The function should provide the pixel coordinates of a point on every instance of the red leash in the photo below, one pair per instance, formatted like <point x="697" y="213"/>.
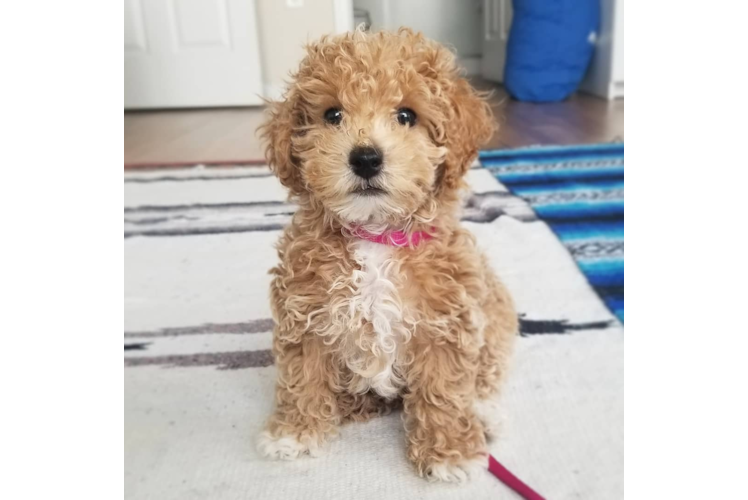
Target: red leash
<point x="509" y="479"/>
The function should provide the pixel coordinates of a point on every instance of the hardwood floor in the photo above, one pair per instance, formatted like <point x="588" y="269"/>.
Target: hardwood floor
<point x="190" y="137"/>
<point x="581" y="119"/>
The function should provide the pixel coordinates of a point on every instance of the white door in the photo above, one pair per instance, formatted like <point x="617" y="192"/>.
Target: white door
<point x="191" y="53"/>
<point x="497" y="18"/>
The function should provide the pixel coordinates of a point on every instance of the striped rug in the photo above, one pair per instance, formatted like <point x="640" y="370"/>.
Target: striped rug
<point x="578" y="191"/>
<point x="199" y="374"/>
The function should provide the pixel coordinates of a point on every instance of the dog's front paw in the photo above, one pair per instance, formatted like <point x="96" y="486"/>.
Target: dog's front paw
<point x="457" y="471"/>
<point x="287" y="447"/>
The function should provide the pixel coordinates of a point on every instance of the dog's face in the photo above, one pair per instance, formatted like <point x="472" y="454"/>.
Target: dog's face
<point x="376" y="128"/>
<point x="368" y="157"/>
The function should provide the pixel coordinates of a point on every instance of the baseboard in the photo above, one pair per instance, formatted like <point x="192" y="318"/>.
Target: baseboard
<point x="607" y="90"/>
<point x="616" y="90"/>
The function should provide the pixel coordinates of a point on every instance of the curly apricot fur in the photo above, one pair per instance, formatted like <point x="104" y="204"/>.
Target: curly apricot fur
<point x="454" y="323"/>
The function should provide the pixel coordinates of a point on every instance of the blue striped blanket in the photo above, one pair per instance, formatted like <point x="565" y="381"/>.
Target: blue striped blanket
<point x="578" y="192"/>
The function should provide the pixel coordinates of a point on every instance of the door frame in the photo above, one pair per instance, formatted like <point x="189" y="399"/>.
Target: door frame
<point x="343" y="12"/>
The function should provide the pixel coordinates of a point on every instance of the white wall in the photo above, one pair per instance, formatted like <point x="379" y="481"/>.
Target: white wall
<point x="285" y="30"/>
<point x="452" y="22"/>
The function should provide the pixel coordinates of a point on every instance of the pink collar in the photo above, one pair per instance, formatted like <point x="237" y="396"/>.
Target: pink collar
<point x="392" y="238"/>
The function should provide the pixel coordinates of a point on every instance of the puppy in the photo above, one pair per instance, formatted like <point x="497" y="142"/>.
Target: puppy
<point x="380" y="297"/>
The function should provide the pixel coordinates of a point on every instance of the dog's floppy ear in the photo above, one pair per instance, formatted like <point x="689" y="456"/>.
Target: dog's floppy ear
<point x="466" y="118"/>
<point x="470" y="125"/>
<point x="278" y="131"/>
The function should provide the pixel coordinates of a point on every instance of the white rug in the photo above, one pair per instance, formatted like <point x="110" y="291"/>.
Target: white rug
<point x="199" y="376"/>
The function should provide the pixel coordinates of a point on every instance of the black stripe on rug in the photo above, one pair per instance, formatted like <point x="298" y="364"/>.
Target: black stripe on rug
<point x="490" y="214"/>
<point x="256" y="326"/>
<point x="559" y="218"/>
<point x="203" y="206"/>
<point x="535" y="153"/>
<point x="148" y="180"/>
<point x="137" y="346"/>
<point x="610" y="291"/>
<point x="478" y="209"/>
<point x="222" y="360"/>
<point x="156" y="220"/>
<point x="541" y="179"/>
<point x="557" y="327"/>
<point x="595" y="249"/>
<point x="526" y="326"/>
<point x="261" y="358"/>
<point x="205" y="230"/>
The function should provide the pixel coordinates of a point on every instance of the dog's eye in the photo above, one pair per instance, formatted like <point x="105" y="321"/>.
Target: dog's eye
<point x="333" y="116"/>
<point x="406" y="116"/>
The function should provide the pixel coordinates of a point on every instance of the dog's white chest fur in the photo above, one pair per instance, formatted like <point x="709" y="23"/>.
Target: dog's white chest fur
<point x="376" y="301"/>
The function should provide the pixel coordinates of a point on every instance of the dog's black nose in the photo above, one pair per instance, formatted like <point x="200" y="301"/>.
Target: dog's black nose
<point x="365" y="161"/>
